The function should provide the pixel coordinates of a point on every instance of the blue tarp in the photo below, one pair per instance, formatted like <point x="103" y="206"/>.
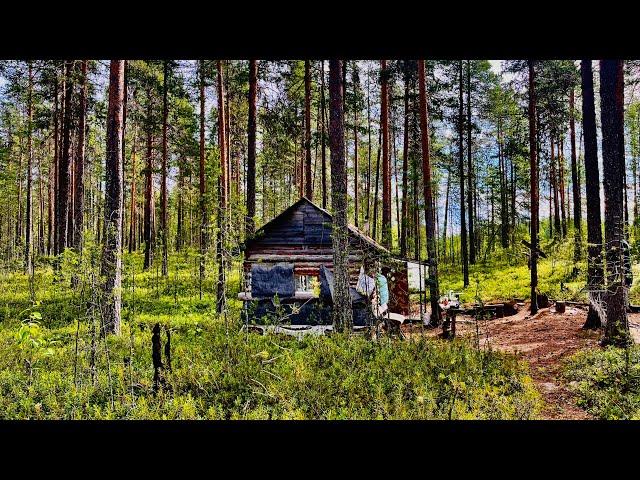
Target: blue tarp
<point x="269" y="280"/>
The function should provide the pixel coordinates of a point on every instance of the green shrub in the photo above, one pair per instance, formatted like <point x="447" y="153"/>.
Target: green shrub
<point x="219" y="372"/>
<point x="607" y="382"/>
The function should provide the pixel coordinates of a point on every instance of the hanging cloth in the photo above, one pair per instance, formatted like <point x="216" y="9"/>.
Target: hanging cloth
<point x="383" y="288"/>
<point x="366" y="285"/>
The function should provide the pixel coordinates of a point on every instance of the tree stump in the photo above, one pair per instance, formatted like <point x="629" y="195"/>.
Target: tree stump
<point x="543" y="300"/>
<point x="560" y="307"/>
<point x="449" y="325"/>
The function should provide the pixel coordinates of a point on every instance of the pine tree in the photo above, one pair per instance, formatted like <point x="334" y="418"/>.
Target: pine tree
<point x="111" y="254"/>
<point x="612" y="115"/>
<point x="342" y="312"/>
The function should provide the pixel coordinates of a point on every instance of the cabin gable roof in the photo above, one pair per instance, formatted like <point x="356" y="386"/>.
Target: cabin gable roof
<point x="305" y="223"/>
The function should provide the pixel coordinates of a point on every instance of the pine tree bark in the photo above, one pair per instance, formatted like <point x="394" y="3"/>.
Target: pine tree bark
<point x="472" y="243"/>
<point x="124" y="149"/>
<point x="222" y="193"/>
<point x="563" y="211"/>
<point x="432" y="251"/>
<point x="148" y="188"/>
<point x="446" y="216"/>
<point x="356" y="196"/>
<point x="557" y="226"/>
<point x="251" y="150"/>
<point x="405" y="167"/>
<point x="41" y="208"/>
<point x="201" y="177"/>
<point x="111" y="254"/>
<point x="308" y="186"/>
<point x="133" y="207"/>
<point x="612" y="116"/>
<point x="323" y="149"/>
<point x="28" y="267"/>
<point x="78" y="204"/>
<point x="504" y="204"/>
<point x="575" y="183"/>
<point x="368" y="214"/>
<point x="595" y="271"/>
<point x="533" y="163"/>
<point x="63" y="170"/>
<point x="386" y="160"/>
<point x="342" y="312"/>
<point x="165" y="153"/>
<point x="463" y="215"/>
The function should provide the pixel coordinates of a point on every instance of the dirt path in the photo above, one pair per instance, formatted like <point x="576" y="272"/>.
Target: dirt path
<point x="544" y="341"/>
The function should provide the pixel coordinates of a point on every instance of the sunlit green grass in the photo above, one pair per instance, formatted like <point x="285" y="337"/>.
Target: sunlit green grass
<point x="505" y="275"/>
<point x="46" y="345"/>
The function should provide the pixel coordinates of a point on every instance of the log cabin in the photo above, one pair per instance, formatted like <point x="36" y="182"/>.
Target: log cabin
<point x="287" y="256"/>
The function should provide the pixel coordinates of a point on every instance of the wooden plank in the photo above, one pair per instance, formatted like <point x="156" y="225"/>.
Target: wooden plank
<point x="295" y="258"/>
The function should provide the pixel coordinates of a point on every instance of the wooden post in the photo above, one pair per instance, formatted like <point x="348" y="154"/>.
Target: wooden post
<point x="167" y="348"/>
<point x="157" y="357"/>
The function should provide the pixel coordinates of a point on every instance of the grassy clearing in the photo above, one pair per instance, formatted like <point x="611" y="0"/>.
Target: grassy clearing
<point x="505" y="275"/>
<point x="219" y="372"/>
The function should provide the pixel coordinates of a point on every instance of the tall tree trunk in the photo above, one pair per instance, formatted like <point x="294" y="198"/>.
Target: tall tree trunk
<point x="432" y="251"/>
<point x="50" y="206"/>
<point x="612" y="115"/>
<point x="111" y="254"/>
<point x="124" y="145"/>
<point x="504" y="205"/>
<point x="324" y="138"/>
<point x="394" y="162"/>
<point x="251" y="150"/>
<point x="28" y="267"/>
<point x="386" y="160"/>
<point x="533" y="163"/>
<point x="376" y="193"/>
<point x="308" y="190"/>
<point x="53" y="178"/>
<point x="133" y="210"/>
<point x="405" y="166"/>
<point x="446" y="215"/>
<point x="562" y="190"/>
<point x="342" y="312"/>
<point x="63" y="171"/>
<point x="163" y="188"/>
<point x="513" y="225"/>
<point x="595" y="272"/>
<point x="41" y="207"/>
<point x="222" y="191"/>
<point x="472" y="243"/>
<point x="148" y="189"/>
<point x="463" y="215"/>
<point x="180" y="215"/>
<point x="575" y="183"/>
<point x="557" y="226"/>
<point x="356" y="197"/>
<point x="78" y="205"/>
<point x="202" y="185"/>
<point x="368" y="214"/>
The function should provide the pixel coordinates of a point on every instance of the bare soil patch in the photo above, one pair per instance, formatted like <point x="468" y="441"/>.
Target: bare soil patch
<point x="544" y="341"/>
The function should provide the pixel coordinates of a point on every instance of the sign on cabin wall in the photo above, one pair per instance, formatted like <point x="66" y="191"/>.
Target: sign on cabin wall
<point x="417" y="275"/>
